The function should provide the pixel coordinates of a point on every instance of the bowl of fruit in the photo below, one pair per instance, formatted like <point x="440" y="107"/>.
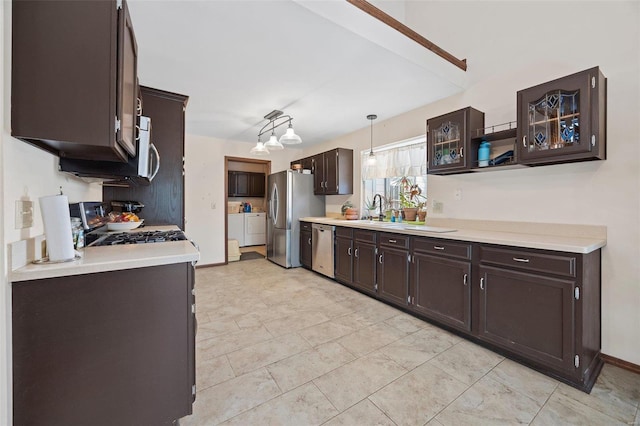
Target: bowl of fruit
<point x="124" y="222"/>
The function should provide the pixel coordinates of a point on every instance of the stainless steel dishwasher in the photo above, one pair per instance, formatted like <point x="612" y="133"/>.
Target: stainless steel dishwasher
<point x="322" y="249"/>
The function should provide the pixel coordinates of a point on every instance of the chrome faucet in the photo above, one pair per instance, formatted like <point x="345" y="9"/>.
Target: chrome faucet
<point x="381" y="215"/>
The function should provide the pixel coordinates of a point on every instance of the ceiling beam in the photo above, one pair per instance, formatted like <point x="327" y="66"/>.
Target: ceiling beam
<point x="367" y="7"/>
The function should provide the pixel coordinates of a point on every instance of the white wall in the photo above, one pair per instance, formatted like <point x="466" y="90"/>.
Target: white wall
<point x="25" y="173"/>
<point x="205" y="191"/>
<point x="512" y="46"/>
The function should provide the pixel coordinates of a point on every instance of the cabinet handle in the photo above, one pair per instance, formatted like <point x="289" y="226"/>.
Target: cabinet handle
<point x="519" y="259"/>
<point x="524" y="141"/>
<point x="321" y="184"/>
<point x="464" y="281"/>
<point x="349" y="251"/>
<point x="309" y="241"/>
<point x="356" y="253"/>
<point x="461" y="152"/>
<point x="438" y="248"/>
<point x="380" y="259"/>
<point x="481" y="283"/>
<point x="393" y="241"/>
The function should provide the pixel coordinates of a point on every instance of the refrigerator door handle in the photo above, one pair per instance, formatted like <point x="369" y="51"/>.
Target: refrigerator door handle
<point x="273" y="206"/>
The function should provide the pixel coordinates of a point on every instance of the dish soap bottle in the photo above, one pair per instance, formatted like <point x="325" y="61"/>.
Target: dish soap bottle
<point x="484" y="153"/>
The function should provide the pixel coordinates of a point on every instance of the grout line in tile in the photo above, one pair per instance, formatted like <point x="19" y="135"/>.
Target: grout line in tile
<point x="380" y="408"/>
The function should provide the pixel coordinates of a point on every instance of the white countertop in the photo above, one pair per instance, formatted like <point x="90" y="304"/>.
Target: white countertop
<point x="112" y="258"/>
<point x="558" y="237"/>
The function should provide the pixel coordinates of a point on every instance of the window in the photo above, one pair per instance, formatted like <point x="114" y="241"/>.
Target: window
<point x="407" y="158"/>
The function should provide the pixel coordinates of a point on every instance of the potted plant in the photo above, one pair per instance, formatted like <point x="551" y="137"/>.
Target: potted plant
<point x="411" y="198"/>
<point x="348" y="211"/>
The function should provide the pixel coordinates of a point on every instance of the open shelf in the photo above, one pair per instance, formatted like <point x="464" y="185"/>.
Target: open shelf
<point x="502" y="141"/>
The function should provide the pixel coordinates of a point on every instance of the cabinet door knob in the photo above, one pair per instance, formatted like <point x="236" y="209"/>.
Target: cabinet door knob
<point x="309" y="241"/>
<point x="461" y="152"/>
<point x="356" y="253"/>
<point x="349" y="251"/>
<point x="524" y="141"/>
<point x="464" y="281"/>
<point x="380" y="259"/>
<point x="481" y="283"/>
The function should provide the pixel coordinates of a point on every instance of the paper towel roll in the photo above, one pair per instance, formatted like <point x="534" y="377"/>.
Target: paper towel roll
<point x="57" y="227"/>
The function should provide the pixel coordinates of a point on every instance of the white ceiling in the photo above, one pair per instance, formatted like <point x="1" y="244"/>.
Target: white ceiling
<point x="325" y="63"/>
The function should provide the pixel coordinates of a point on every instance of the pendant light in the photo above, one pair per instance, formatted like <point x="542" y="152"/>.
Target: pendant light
<point x="259" y="149"/>
<point x="289" y="137"/>
<point x="371" y="160"/>
<point x="272" y="144"/>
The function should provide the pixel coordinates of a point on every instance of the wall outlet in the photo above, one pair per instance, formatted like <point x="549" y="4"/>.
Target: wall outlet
<point x="24" y="214"/>
<point x="458" y="194"/>
<point x="438" y="206"/>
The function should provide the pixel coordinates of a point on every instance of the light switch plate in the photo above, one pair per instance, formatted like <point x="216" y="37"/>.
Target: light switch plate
<point x="24" y="214"/>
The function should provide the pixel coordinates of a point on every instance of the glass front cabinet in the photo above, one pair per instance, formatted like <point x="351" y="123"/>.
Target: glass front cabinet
<point x="563" y="120"/>
<point x="448" y="141"/>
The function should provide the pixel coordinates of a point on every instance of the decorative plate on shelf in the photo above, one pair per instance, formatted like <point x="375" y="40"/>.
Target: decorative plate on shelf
<point x="123" y="226"/>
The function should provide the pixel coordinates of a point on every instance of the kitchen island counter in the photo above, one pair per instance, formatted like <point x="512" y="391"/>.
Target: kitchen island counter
<point x="112" y="258"/>
<point x="546" y="236"/>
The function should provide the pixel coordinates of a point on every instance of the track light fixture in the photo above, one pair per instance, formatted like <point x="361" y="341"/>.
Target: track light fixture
<point x="276" y="119"/>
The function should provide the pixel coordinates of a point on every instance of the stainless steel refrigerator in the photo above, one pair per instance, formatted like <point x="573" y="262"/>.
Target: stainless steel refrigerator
<point x="290" y="197"/>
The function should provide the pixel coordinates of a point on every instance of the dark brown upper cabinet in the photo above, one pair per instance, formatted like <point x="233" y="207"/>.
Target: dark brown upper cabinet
<point x="245" y="184"/>
<point x="449" y="141"/>
<point x="563" y="120"/>
<point x="306" y="163"/>
<point x="74" y="78"/>
<point x="333" y="172"/>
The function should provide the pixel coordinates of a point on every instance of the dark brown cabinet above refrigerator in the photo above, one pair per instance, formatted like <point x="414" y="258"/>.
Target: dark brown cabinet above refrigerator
<point x="332" y="171"/>
<point x="74" y="78"/>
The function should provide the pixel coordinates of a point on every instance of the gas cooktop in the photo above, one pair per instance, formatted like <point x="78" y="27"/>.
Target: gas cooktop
<point x="142" y="237"/>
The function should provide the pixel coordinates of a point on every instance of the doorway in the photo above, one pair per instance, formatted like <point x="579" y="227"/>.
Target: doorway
<point x="246" y="205"/>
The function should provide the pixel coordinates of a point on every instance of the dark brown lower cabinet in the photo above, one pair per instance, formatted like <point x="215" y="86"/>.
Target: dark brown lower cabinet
<point x="355" y="258"/>
<point x="305" y="244"/>
<point x="442" y="289"/>
<point x="343" y="267"/>
<point x="106" y="348"/>
<point x="393" y="268"/>
<point x="529" y="314"/>
<point x="539" y="307"/>
<point x="364" y="266"/>
<point x="544" y="307"/>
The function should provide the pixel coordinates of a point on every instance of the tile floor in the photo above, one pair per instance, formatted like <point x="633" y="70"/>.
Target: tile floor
<point x="290" y="347"/>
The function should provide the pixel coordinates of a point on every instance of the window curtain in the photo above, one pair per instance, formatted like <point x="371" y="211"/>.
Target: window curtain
<point x="410" y="160"/>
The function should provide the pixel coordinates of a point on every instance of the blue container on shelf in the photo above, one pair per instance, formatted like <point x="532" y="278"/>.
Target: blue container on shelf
<point x="484" y="152"/>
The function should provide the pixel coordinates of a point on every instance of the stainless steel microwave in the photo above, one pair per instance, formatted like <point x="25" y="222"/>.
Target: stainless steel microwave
<point x="140" y="169"/>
